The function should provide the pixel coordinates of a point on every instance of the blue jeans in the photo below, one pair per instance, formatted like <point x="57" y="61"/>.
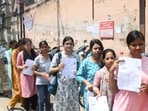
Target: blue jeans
<point x="43" y="96"/>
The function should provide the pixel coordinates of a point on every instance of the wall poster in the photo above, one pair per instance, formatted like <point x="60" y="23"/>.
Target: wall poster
<point x="107" y="30"/>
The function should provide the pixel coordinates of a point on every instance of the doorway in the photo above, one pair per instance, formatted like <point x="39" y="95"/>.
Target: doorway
<point x="142" y="4"/>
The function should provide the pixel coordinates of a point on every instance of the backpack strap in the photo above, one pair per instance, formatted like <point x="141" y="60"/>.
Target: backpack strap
<point x="50" y="56"/>
<point x="59" y="58"/>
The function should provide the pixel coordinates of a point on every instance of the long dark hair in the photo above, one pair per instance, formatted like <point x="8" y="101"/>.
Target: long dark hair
<point x="26" y="55"/>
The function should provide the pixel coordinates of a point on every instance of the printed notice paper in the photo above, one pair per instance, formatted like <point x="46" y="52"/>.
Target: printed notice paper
<point x="28" y="71"/>
<point x="98" y="104"/>
<point x="129" y="77"/>
<point x="145" y="63"/>
<point x="69" y="69"/>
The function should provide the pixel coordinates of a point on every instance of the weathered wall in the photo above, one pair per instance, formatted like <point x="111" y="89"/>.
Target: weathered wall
<point x="76" y="16"/>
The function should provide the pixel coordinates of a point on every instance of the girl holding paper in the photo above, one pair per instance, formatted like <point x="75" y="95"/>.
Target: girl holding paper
<point x="66" y="98"/>
<point x="126" y="100"/>
<point x="88" y="69"/>
<point x="27" y="81"/>
<point x="101" y="80"/>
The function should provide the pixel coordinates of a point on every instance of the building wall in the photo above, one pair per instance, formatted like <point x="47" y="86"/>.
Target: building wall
<point x="76" y="17"/>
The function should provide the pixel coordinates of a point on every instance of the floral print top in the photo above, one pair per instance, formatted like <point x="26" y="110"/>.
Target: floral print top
<point x="101" y="81"/>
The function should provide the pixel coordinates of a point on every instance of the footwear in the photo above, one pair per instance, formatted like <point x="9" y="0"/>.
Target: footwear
<point x="9" y="109"/>
<point x="22" y="105"/>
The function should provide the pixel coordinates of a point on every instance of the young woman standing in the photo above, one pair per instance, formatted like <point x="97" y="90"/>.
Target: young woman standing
<point x="16" y="97"/>
<point x="66" y="98"/>
<point x="88" y="68"/>
<point x="126" y="100"/>
<point x="28" y="87"/>
<point x="41" y="70"/>
<point x="101" y="80"/>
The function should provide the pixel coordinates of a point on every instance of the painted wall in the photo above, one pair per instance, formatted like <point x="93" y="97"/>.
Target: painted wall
<point x="76" y="20"/>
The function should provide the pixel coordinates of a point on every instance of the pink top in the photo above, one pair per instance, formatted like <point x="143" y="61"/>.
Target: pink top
<point x="28" y="87"/>
<point x="102" y="80"/>
<point x="132" y="101"/>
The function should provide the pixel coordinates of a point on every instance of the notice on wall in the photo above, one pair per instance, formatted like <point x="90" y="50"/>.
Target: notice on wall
<point x="107" y="30"/>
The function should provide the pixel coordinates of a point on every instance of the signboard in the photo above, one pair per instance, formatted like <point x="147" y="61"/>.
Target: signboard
<point x="107" y="30"/>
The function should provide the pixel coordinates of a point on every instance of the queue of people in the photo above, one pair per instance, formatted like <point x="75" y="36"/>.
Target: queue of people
<point x="97" y="73"/>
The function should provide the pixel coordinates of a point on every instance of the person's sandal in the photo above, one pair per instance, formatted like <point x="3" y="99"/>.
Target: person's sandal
<point x="9" y="109"/>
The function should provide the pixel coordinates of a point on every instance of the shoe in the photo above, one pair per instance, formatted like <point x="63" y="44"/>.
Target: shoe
<point x="9" y="109"/>
<point x="22" y="105"/>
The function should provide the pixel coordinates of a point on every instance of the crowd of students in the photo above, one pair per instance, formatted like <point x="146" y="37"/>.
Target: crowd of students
<point x="97" y="73"/>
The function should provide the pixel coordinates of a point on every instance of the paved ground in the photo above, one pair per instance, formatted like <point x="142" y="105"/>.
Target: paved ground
<point x="5" y="97"/>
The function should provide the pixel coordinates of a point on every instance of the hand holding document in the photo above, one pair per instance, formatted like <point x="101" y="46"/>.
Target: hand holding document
<point x="98" y="104"/>
<point x="129" y="77"/>
<point x="28" y="70"/>
<point x="69" y="69"/>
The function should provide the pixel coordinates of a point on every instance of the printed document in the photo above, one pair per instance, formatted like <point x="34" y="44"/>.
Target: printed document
<point x="129" y="77"/>
<point x="28" y="71"/>
<point x="145" y="63"/>
<point x="70" y="66"/>
<point x="98" y="104"/>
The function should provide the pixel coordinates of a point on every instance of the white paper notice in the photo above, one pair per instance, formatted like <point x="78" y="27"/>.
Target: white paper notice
<point x="129" y="77"/>
<point x="145" y="63"/>
<point x="28" y="71"/>
<point x="70" y="66"/>
<point x="89" y="94"/>
<point x="98" y="104"/>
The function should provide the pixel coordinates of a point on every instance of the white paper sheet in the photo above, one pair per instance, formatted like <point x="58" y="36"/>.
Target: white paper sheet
<point x="129" y="77"/>
<point x="28" y="71"/>
<point x="89" y="94"/>
<point x="98" y="104"/>
<point x="69" y="69"/>
<point x="145" y="63"/>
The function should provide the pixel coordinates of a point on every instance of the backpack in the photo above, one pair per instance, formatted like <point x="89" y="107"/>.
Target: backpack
<point x="50" y="56"/>
<point x="53" y="82"/>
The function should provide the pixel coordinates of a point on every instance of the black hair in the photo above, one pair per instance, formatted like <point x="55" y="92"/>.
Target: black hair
<point x="104" y="54"/>
<point x="106" y="51"/>
<point x="12" y="43"/>
<point x="25" y="53"/>
<point x="43" y="43"/>
<point x="68" y="38"/>
<point x="20" y="42"/>
<point x="96" y="41"/>
<point x="133" y="35"/>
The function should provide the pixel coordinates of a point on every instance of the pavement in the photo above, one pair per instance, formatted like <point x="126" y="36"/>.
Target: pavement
<point x="4" y="100"/>
<point x="5" y="97"/>
<point x="3" y="103"/>
<point x="6" y="94"/>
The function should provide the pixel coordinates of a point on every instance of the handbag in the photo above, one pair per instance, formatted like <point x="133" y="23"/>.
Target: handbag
<point x="53" y="82"/>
